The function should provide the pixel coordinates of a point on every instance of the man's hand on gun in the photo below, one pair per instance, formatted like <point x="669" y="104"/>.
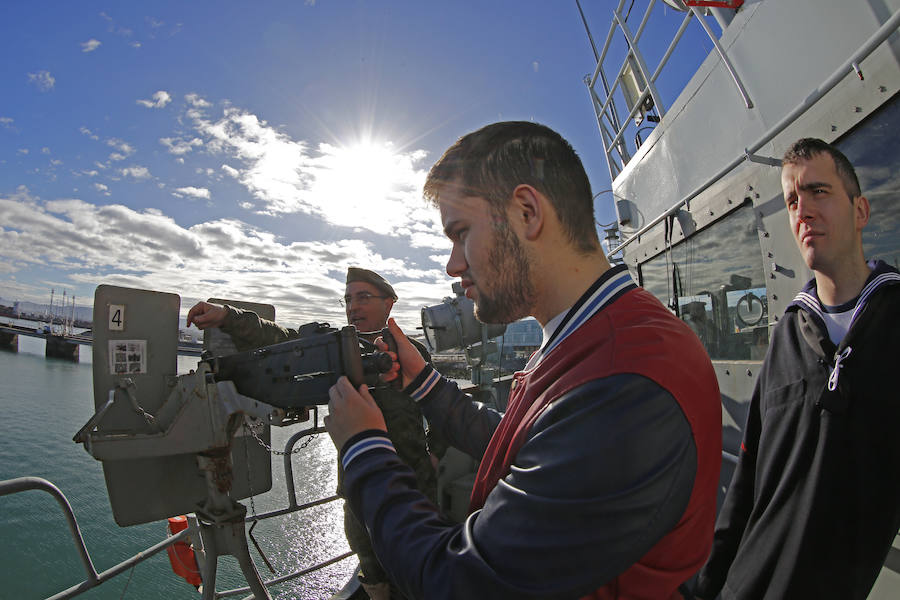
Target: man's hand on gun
<point x="352" y="410"/>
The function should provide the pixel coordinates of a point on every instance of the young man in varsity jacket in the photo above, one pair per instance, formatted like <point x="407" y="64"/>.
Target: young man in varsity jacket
<point x="600" y="479"/>
<point x="815" y="501"/>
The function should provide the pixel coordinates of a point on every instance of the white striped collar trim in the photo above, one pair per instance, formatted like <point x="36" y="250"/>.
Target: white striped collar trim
<point x="810" y="300"/>
<point x="365" y="445"/>
<point x="580" y="313"/>
<point x="870" y="287"/>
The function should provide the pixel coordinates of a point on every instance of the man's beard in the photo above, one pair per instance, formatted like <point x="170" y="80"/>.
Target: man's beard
<point x="512" y="292"/>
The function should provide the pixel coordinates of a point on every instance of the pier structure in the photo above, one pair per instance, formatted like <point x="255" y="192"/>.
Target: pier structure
<point x="65" y="345"/>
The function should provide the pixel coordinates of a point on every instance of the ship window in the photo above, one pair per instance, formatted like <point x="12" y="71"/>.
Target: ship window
<point x="872" y="148"/>
<point x="714" y="281"/>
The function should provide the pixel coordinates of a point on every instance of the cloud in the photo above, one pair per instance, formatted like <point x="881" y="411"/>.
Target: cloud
<point x="43" y="80"/>
<point x="231" y="171"/>
<point x="136" y="172"/>
<point x="180" y="146"/>
<point x="191" y="191"/>
<point x="113" y="28"/>
<point x="89" y="133"/>
<point x="535" y="66"/>
<point x="196" y="101"/>
<point x="104" y="189"/>
<point x="123" y="147"/>
<point x="159" y="100"/>
<point x="223" y="258"/>
<point x="90" y="45"/>
<point x="6" y="122"/>
<point x="369" y="186"/>
<point x="23" y="151"/>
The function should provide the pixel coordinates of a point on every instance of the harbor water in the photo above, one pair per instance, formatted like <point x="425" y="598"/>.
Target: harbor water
<point x="43" y="402"/>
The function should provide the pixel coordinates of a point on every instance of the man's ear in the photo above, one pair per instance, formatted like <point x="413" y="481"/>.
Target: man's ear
<point x="528" y="210"/>
<point x="861" y="211"/>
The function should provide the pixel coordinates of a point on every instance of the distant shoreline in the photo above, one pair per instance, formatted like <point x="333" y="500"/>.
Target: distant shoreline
<point x="7" y="311"/>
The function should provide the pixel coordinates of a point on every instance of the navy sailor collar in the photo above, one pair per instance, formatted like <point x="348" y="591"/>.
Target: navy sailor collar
<point x="808" y="298"/>
<point x="609" y="287"/>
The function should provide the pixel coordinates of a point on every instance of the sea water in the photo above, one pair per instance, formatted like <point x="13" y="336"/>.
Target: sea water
<point x="43" y="402"/>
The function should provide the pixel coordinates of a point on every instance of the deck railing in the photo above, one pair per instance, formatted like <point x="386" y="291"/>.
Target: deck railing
<point x="93" y="578"/>
<point x="636" y="81"/>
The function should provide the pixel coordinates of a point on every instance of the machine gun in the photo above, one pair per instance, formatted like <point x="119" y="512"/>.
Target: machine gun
<point x="298" y="373"/>
<point x="174" y="444"/>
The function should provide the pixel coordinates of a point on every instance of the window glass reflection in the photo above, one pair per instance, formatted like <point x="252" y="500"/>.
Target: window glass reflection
<point x="715" y="282"/>
<point x="873" y="148"/>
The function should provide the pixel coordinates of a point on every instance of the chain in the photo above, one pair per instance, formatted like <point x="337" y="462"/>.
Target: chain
<point x="262" y="442"/>
<point x="247" y="459"/>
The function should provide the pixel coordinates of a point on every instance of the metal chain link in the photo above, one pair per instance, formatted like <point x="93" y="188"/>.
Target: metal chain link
<point x="249" y="479"/>
<point x="262" y="442"/>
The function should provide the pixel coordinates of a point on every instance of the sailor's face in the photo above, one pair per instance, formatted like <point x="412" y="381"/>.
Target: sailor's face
<point x="487" y="257"/>
<point x="367" y="308"/>
<point x="826" y="223"/>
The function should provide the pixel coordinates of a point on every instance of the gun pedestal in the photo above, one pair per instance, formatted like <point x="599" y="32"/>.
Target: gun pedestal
<point x="223" y="528"/>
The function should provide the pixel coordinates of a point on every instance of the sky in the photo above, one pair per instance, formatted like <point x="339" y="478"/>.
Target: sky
<point x="255" y="151"/>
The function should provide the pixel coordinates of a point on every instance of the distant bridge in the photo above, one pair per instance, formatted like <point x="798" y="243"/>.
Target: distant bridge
<point x="65" y="345"/>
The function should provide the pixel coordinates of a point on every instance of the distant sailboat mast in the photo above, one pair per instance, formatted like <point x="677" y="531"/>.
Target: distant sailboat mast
<point x="72" y="317"/>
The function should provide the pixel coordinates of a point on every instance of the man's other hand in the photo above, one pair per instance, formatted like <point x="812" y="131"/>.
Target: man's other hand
<point x="351" y="411"/>
<point x="411" y="362"/>
<point x="204" y="315"/>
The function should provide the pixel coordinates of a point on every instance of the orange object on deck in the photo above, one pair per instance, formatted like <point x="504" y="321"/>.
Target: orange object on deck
<point x="181" y="554"/>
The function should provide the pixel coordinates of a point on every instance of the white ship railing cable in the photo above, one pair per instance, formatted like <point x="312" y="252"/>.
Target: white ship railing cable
<point x="851" y="66"/>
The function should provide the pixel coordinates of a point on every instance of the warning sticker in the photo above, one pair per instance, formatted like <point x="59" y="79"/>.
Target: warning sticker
<point x="127" y="356"/>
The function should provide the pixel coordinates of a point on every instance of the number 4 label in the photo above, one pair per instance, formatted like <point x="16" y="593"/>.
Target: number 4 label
<point x="116" y="317"/>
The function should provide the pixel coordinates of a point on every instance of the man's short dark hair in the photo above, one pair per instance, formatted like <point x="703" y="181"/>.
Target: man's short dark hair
<point x="807" y="148"/>
<point x="492" y="161"/>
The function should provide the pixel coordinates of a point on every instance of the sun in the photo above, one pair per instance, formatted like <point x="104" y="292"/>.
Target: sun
<point x="364" y="184"/>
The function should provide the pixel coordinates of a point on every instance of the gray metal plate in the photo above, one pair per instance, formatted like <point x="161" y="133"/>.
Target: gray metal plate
<point x="145" y="330"/>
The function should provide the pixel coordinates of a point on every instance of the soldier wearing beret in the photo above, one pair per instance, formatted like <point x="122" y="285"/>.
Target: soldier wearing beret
<point x="368" y="299"/>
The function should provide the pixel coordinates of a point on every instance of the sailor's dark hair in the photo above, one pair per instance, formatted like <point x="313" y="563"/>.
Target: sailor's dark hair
<point x="493" y="160"/>
<point x="807" y="148"/>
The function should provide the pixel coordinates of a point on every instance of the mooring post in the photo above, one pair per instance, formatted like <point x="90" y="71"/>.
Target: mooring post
<point x="59" y="347"/>
<point x="9" y="341"/>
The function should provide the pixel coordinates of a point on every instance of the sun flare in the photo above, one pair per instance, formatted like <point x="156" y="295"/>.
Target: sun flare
<point x="365" y="184"/>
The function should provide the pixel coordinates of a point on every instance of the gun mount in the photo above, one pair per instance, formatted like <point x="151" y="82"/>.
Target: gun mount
<point x="196" y="443"/>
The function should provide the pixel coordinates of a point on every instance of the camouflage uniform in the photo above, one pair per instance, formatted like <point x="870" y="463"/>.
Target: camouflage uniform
<point x="402" y="416"/>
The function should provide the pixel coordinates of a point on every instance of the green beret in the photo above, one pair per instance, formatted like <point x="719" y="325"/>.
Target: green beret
<point x="357" y="274"/>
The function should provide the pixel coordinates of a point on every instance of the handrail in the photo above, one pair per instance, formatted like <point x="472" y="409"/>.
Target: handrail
<point x="606" y="109"/>
<point x="94" y="579"/>
<point x="287" y="577"/>
<point x="849" y="66"/>
<point x="24" y="484"/>
<point x="122" y="566"/>
<point x="722" y="55"/>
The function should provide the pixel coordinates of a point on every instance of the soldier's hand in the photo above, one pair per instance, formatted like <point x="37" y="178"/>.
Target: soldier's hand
<point x="410" y="361"/>
<point x="351" y="411"/>
<point x="204" y="315"/>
